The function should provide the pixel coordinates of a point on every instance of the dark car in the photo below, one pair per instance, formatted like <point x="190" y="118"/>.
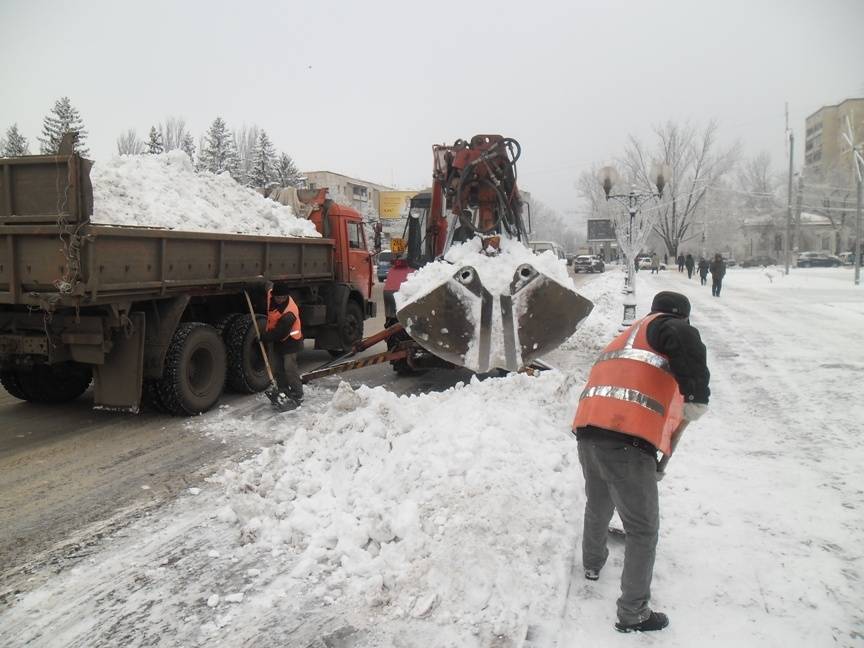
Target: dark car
<point x="759" y="260"/>
<point x="818" y="260"/>
<point x="588" y="263"/>
<point x="385" y="257"/>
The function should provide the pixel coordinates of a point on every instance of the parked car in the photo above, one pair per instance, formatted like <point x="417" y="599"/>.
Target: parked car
<point x="730" y="260"/>
<point x="385" y="258"/>
<point x="544" y="246"/>
<point x="588" y="263"/>
<point x="847" y="258"/>
<point x="645" y="264"/>
<point x="818" y="260"/>
<point x="758" y="260"/>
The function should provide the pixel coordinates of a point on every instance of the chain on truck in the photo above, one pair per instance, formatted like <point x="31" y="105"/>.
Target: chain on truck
<point x="153" y="314"/>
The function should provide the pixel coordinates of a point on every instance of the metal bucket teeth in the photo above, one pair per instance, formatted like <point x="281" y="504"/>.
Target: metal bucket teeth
<point x="463" y="323"/>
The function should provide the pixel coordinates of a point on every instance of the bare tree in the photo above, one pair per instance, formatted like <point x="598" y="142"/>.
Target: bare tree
<point x="245" y="140"/>
<point x="129" y="144"/>
<point x="696" y="164"/>
<point x="173" y="131"/>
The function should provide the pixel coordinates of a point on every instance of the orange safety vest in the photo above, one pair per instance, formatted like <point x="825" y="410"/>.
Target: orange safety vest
<point x="631" y="390"/>
<point x="273" y="317"/>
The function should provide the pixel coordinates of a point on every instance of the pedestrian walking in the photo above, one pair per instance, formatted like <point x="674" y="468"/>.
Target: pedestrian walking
<point x="646" y="384"/>
<point x="284" y="339"/>
<point x="717" y="268"/>
<point x="655" y="263"/>
<point x="665" y="259"/>
<point x="690" y="264"/>
<point x="703" y="270"/>
<point x="680" y="261"/>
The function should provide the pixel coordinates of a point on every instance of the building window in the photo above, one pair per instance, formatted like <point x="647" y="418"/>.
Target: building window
<point x="359" y="193"/>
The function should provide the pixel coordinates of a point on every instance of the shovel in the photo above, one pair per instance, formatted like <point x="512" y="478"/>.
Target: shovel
<point x="273" y="392"/>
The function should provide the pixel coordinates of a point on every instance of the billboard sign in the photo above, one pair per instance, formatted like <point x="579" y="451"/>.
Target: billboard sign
<point x="600" y="230"/>
<point x="394" y="204"/>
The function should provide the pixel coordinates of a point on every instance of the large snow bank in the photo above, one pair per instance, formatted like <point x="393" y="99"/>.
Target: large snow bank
<point x="454" y="506"/>
<point x="165" y="191"/>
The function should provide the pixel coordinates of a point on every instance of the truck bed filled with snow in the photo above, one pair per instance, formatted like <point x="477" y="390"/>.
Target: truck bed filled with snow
<point x="166" y="191"/>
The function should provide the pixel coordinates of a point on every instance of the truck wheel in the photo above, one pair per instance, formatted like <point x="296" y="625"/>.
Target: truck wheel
<point x="59" y="383"/>
<point x="352" y="325"/>
<point x="224" y="323"/>
<point x="194" y="374"/>
<point x="151" y="398"/>
<point x="246" y="371"/>
<point x="12" y="384"/>
<point x="401" y="367"/>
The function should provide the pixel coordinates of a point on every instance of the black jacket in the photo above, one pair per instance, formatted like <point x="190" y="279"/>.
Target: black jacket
<point x="718" y="269"/>
<point x="675" y="338"/>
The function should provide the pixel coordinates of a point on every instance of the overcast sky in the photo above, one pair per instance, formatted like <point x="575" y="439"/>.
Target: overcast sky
<point x="366" y="88"/>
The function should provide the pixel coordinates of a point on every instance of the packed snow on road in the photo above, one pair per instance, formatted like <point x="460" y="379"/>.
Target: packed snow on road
<point x="454" y="518"/>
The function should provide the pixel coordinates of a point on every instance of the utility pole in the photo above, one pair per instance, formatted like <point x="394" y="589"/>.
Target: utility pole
<point x="858" y="164"/>
<point x="797" y="246"/>
<point x="789" y="201"/>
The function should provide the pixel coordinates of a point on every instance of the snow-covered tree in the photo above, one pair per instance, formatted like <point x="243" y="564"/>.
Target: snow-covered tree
<point x="129" y="144"/>
<point x="287" y="173"/>
<point x="245" y="141"/>
<point x="262" y="171"/>
<point x="14" y="144"/>
<point x="154" y="143"/>
<point x="62" y="119"/>
<point x="217" y="153"/>
<point x="187" y="145"/>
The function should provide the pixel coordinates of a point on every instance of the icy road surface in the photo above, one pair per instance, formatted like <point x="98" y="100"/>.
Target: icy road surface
<point x="451" y="519"/>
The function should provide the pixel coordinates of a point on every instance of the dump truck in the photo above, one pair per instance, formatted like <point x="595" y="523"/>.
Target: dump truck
<point x="150" y="314"/>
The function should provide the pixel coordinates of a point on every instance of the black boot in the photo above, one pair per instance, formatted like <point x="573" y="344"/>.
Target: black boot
<point x="656" y="621"/>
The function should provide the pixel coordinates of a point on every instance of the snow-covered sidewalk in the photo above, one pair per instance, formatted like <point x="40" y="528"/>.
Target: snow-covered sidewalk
<point x="452" y="519"/>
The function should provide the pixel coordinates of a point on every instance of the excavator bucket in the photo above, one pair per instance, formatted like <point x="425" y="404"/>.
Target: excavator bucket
<point x="464" y="323"/>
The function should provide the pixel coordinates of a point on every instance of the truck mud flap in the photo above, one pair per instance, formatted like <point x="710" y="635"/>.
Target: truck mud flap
<point x="118" y="381"/>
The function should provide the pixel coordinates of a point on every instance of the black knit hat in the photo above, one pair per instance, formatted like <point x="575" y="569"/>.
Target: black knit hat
<point x="671" y="302"/>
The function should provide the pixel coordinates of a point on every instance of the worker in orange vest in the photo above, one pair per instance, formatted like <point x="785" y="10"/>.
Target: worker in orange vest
<point x="284" y="339"/>
<point x="645" y="385"/>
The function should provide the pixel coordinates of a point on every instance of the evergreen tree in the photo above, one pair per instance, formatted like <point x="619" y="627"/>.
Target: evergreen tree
<point x="187" y="145"/>
<point x="154" y="144"/>
<point x="262" y="171"/>
<point x="217" y="153"/>
<point x="287" y="174"/>
<point x="62" y="119"/>
<point x="14" y="144"/>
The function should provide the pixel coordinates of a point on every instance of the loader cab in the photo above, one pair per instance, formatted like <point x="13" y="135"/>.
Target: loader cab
<point x="418" y="253"/>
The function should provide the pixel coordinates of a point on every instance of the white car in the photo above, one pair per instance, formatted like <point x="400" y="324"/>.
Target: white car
<point x="645" y="264"/>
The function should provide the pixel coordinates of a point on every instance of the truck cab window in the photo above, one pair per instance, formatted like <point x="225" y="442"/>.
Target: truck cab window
<point x="355" y="240"/>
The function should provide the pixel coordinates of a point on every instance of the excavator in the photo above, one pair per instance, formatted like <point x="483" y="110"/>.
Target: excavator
<point x="460" y="322"/>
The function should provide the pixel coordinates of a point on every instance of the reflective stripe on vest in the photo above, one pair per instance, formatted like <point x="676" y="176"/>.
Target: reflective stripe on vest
<point x="632" y="390"/>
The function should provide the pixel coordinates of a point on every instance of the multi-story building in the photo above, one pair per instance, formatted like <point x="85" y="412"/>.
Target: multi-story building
<point x="362" y="195"/>
<point x="826" y="153"/>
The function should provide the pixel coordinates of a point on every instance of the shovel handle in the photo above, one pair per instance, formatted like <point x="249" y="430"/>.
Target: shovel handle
<point x="258" y="335"/>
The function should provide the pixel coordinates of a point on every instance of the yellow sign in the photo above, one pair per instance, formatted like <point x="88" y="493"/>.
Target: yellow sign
<point x="393" y="204"/>
<point x="397" y="245"/>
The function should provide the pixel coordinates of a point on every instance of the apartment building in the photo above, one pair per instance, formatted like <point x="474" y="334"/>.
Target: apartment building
<point x="826" y="153"/>
<point x="362" y="195"/>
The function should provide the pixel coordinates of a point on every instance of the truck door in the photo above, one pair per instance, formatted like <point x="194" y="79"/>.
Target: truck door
<point x="359" y="259"/>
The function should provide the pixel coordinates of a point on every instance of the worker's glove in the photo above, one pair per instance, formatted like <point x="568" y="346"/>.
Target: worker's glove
<point x="694" y="411"/>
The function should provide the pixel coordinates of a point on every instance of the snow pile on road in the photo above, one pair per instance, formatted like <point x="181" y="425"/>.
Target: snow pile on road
<point x="165" y="191"/>
<point x="495" y="272"/>
<point x="456" y="506"/>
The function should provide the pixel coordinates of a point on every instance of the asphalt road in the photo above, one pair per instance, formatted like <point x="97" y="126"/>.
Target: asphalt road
<point x="70" y="476"/>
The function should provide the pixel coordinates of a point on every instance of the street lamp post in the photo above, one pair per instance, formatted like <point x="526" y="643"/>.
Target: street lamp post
<point x="633" y="201"/>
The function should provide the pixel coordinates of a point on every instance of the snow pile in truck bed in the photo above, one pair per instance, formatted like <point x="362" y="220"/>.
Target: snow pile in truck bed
<point x="496" y="272"/>
<point x="165" y="191"/>
<point x="453" y="506"/>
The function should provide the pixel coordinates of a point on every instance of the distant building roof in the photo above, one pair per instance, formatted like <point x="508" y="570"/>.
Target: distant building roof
<point x="380" y="187"/>
<point x="837" y="105"/>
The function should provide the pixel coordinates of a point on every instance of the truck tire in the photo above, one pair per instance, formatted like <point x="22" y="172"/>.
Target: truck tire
<point x="58" y="383"/>
<point x="246" y="371"/>
<point x="12" y="384"/>
<point x="151" y="398"/>
<point x="352" y="325"/>
<point x="194" y="374"/>
<point x="223" y="323"/>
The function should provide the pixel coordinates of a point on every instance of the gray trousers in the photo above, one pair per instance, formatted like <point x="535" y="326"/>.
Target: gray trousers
<point x="619" y="476"/>
<point x="285" y="370"/>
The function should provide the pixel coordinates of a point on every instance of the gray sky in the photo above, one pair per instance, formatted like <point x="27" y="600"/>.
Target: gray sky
<point x="366" y="88"/>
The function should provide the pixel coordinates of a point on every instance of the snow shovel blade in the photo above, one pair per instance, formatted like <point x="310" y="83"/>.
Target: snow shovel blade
<point x="545" y="313"/>
<point x="450" y="319"/>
